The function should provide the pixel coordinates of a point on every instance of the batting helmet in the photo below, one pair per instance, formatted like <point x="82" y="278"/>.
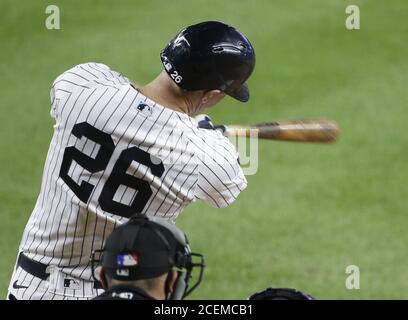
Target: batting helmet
<point x="208" y="56"/>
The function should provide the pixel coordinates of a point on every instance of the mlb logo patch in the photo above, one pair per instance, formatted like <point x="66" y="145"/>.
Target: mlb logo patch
<point x="71" y="283"/>
<point x="168" y="66"/>
<point x="144" y="108"/>
<point x="127" y="260"/>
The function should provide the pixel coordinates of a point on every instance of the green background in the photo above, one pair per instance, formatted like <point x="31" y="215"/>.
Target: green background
<point x="311" y="210"/>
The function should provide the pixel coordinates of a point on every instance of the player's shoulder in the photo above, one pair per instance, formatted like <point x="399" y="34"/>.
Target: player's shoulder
<point x="190" y="127"/>
<point x="214" y="146"/>
<point x="86" y="75"/>
<point x="216" y="139"/>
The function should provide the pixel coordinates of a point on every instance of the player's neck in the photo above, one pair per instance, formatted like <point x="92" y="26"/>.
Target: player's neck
<point x="163" y="91"/>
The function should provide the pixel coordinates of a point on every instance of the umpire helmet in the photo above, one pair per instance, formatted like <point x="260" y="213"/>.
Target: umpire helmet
<point x="280" y="294"/>
<point x="147" y="247"/>
<point x="209" y="56"/>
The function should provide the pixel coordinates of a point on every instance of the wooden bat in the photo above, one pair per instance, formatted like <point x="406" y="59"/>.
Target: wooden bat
<point x="321" y="131"/>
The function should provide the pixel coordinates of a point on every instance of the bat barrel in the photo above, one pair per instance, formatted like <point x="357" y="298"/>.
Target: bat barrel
<point x="321" y="131"/>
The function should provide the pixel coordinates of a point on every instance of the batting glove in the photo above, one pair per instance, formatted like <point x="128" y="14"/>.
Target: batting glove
<point x="204" y="122"/>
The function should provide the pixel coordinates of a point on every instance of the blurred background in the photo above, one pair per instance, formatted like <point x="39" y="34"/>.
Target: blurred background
<point x="311" y="210"/>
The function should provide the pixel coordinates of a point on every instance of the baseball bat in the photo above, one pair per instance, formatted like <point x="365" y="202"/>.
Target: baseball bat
<point x="318" y="131"/>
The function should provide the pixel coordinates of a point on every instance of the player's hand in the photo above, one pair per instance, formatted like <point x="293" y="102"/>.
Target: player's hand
<point x="204" y="122"/>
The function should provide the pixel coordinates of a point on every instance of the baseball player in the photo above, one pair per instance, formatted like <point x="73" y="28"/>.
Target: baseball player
<point x="119" y="149"/>
<point x="140" y="258"/>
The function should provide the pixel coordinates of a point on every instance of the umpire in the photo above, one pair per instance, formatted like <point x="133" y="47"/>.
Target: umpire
<point x="148" y="258"/>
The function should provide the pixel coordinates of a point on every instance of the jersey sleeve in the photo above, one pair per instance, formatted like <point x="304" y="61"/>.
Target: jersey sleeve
<point x="220" y="179"/>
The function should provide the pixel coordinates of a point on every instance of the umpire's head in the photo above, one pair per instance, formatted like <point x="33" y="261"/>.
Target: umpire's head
<point x="150" y="254"/>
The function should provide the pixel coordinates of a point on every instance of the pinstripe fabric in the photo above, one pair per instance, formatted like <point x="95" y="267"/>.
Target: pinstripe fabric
<point x="63" y="231"/>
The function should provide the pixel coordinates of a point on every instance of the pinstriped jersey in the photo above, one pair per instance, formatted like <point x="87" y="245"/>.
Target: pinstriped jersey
<point x="114" y="153"/>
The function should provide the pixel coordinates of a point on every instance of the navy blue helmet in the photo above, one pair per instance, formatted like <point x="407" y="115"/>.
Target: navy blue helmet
<point x="208" y="56"/>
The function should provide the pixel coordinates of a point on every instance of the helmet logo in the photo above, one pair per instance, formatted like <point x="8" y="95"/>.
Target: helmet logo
<point x="180" y="38"/>
<point x="127" y="260"/>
